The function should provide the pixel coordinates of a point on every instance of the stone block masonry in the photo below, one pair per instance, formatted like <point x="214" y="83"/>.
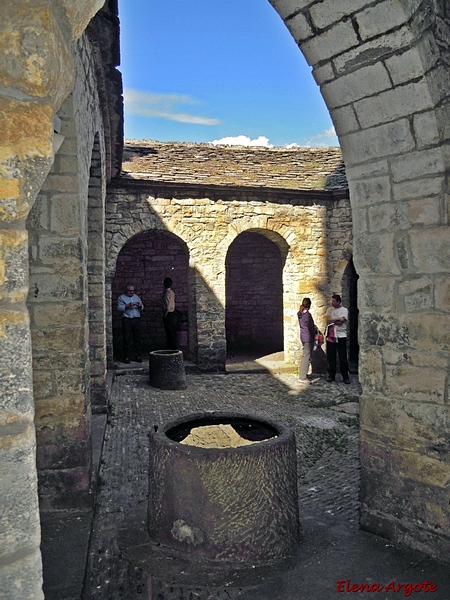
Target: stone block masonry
<point x="370" y="58"/>
<point x="306" y="231"/>
<point x="60" y="332"/>
<point x="385" y="86"/>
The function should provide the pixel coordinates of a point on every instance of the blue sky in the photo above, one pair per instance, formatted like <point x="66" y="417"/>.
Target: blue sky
<point x="214" y="70"/>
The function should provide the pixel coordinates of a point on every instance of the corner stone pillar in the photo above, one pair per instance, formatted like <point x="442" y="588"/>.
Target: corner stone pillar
<point x="37" y="68"/>
<point x="25" y="126"/>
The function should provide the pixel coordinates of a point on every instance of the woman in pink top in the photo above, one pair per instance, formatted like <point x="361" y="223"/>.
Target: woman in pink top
<point x="308" y="332"/>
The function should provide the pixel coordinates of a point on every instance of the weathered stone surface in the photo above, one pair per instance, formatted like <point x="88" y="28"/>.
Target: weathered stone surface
<point x="396" y="508"/>
<point x="380" y="18"/>
<point x="18" y="492"/>
<point x="397" y="66"/>
<point x="65" y="489"/>
<point x="349" y="41"/>
<point x="286" y="8"/>
<point x="79" y="13"/>
<point x="377" y="254"/>
<point x="442" y="293"/>
<point x="417" y="164"/>
<point x="33" y="144"/>
<point x="15" y="367"/>
<point x="299" y="27"/>
<point x="36" y="59"/>
<point x="383" y="140"/>
<point x="325" y="15"/>
<point x="220" y="517"/>
<point x="371" y="365"/>
<point x="431" y="254"/>
<point x="19" y="576"/>
<point x="208" y="221"/>
<point x="335" y="40"/>
<point x="408" y="424"/>
<point x="359" y="84"/>
<point x="427" y="189"/>
<point x="387" y="105"/>
<point x="421" y="468"/>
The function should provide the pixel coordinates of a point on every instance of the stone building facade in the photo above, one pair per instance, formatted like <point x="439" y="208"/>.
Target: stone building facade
<point x="382" y="68"/>
<point x="289" y="242"/>
<point x="61" y="112"/>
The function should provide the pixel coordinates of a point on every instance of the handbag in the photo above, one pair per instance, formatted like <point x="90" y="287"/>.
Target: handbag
<point x="318" y="342"/>
<point x="330" y="334"/>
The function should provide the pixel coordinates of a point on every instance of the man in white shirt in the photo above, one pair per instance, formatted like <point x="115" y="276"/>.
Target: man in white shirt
<point x="130" y="305"/>
<point x="337" y="315"/>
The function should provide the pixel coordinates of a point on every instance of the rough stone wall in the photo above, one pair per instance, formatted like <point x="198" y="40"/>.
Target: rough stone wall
<point x="37" y="74"/>
<point x="313" y="238"/>
<point x="383" y="71"/>
<point x="96" y="277"/>
<point x="58" y="299"/>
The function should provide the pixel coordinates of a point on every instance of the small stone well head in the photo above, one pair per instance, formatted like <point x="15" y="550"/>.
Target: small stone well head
<point x="223" y="486"/>
<point x="166" y="370"/>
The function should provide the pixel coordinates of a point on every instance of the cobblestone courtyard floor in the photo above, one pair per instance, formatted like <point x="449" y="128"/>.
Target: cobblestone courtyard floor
<point x="325" y="420"/>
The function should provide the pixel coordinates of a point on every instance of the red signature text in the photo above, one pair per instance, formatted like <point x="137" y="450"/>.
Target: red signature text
<point x="345" y="585"/>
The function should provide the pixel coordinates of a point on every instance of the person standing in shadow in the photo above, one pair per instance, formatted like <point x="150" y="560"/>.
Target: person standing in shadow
<point x="130" y="305"/>
<point x="169" y="315"/>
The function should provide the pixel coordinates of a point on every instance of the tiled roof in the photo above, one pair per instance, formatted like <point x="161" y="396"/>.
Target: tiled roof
<point x="288" y="168"/>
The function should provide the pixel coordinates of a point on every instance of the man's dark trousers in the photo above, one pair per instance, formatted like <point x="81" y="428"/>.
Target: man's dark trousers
<point x="131" y="329"/>
<point x="341" y="349"/>
<point x="170" y="327"/>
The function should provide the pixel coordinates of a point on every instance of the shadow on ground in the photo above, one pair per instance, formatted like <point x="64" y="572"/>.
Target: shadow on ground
<point x="334" y="554"/>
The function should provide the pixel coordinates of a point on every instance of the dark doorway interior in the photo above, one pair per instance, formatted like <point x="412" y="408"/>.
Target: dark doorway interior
<point x="352" y="277"/>
<point x="145" y="260"/>
<point x="254" y="296"/>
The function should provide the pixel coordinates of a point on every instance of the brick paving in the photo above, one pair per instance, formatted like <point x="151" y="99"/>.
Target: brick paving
<point x="323" y="416"/>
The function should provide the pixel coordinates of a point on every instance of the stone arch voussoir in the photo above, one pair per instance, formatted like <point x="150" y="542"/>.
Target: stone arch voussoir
<point x="263" y="226"/>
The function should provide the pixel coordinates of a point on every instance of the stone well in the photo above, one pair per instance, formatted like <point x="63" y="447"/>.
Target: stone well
<point x="166" y="370"/>
<point x="223" y="487"/>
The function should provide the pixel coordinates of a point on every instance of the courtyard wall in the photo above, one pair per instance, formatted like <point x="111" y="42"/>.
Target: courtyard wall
<point x="383" y="71"/>
<point x="312" y="230"/>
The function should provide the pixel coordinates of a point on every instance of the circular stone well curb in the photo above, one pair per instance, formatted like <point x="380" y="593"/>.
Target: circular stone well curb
<point x="166" y="370"/>
<point x="230" y="505"/>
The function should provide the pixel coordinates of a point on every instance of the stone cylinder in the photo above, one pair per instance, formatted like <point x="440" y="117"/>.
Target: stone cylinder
<point x="234" y="505"/>
<point x="166" y="370"/>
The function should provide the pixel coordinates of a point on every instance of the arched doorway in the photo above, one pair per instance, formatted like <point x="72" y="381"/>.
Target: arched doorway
<point x="145" y="260"/>
<point x="350" y="292"/>
<point x="254" y="296"/>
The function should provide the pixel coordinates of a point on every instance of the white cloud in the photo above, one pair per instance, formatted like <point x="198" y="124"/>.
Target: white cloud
<point x="321" y="140"/>
<point x="243" y="140"/>
<point x="163" y="106"/>
<point x="324" y="139"/>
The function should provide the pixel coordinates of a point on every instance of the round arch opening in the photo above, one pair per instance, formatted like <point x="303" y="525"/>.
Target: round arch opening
<point x="146" y="260"/>
<point x="254" y="294"/>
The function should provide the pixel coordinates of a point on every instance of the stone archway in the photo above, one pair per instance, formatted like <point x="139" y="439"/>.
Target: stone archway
<point x="254" y="296"/>
<point x="382" y="68"/>
<point x="145" y="260"/>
